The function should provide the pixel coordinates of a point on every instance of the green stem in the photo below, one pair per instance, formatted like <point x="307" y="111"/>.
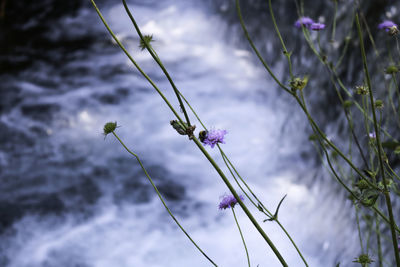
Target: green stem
<point x="134" y="62"/>
<point x="240" y="202"/>
<point x="377" y="132"/>
<point x="359" y="230"/>
<point x="264" y="209"/>
<point x="241" y="235"/>
<point x="312" y="122"/>
<point x="285" y="52"/>
<point x="161" y="198"/>
<point x="239" y="12"/>
<point x="156" y="58"/>
<point x="230" y="166"/>
<point x="378" y="240"/>
<point x="334" y="22"/>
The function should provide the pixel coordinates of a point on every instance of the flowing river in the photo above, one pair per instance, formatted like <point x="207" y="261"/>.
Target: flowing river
<point x="71" y="198"/>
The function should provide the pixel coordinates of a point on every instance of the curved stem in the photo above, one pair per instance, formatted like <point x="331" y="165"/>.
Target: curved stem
<point x="134" y="62"/>
<point x="156" y="58"/>
<point x="239" y="12"/>
<point x="241" y="235"/>
<point x="334" y="22"/>
<point x="162" y="199"/>
<point x="264" y="209"/>
<point x="230" y="166"/>
<point x="285" y="52"/>
<point x="240" y="202"/>
<point x="378" y="143"/>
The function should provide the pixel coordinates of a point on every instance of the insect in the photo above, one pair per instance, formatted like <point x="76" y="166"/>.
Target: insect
<point x="202" y="135"/>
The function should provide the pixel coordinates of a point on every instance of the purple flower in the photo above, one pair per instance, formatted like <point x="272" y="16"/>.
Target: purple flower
<point x="372" y="135"/>
<point x="214" y="137"/>
<point x="386" y="25"/>
<point x="306" y="21"/>
<point x="228" y="201"/>
<point x="317" y="26"/>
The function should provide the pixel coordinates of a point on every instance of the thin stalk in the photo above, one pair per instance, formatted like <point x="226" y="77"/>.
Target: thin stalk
<point x="162" y="199"/>
<point x="359" y="230"/>
<point x="386" y="192"/>
<point x="193" y="111"/>
<point x="156" y="58"/>
<point x="315" y="128"/>
<point x="378" y="240"/>
<point x="396" y="86"/>
<point x="304" y="109"/>
<point x="241" y="235"/>
<point x="134" y="62"/>
<point x="267" y="212"/>
<point x="252" y="219"/>
<point x="239" y="12"/>
<point x="230" y="166"/>
<point x="334" y="22"/>
<point x="285" y="51"/>
<point x="240" y="202"/>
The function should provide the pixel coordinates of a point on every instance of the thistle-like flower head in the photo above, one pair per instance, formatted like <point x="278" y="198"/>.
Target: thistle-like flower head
<point x="228" y="201"/>
<point x="386" y="25"/>
<point x="214" y="137"/>
<point x="306" y="21"/>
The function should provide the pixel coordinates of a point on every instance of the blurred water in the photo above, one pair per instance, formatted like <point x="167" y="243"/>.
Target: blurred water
<point x="70" y="198"/>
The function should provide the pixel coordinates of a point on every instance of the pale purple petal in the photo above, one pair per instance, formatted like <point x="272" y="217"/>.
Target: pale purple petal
<point x="306" y="21"/>
<point x="214" y="137"/>
<point x="228" y="201"/>
<point x="386" y="25"/>
<point x="317" y="26"/>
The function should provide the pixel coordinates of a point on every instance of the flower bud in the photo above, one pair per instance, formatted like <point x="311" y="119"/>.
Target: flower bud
<point x="363" y="259"/>
<point x="298" y="83"/>
<point x="109" y="127"/>
<point x="391" y="70"/>
<point x="347" y="104"/>
<point x="379" y="104"/>
<point x="362" y="90"/>
<point x="147" y="39"/>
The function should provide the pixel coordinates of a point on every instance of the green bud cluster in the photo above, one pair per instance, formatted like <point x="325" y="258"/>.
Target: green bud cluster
<point x="298" y="83"/>
<point x="362" y="185"/>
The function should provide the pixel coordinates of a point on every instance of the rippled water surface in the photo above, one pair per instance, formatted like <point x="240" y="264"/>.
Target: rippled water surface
<point x="71" y="198"/>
